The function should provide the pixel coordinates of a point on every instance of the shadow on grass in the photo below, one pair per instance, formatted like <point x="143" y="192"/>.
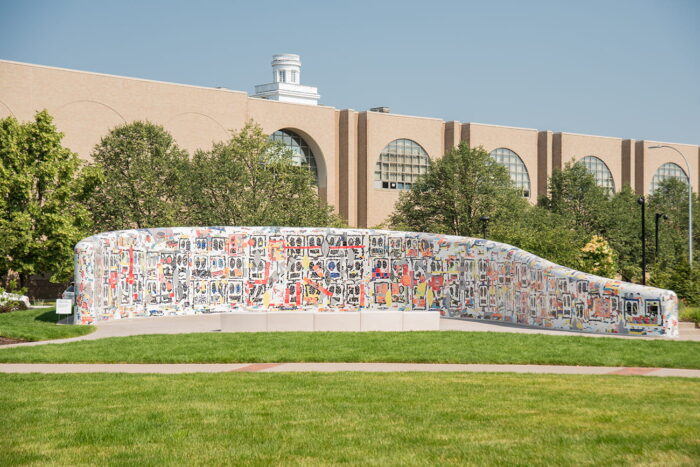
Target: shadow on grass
<point x="48" y="317"/>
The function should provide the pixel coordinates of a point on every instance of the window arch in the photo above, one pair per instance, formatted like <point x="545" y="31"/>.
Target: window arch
<point x="400" y="164"/>
<point x="666" y="171"/>
<point x="516" y="168"/>
<point x="301" y="152"/>
<point x="601" y="172"/>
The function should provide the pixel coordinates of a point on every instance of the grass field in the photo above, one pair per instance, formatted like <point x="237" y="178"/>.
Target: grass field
<point x="37" y="325"/>
<point x="436" y="346"/>
<point x="403" y="418"/>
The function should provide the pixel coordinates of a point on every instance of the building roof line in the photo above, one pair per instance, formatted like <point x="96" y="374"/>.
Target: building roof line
<point x="501" y="126"/>
<point x="589" y="136"/>
<point x="108" y="75"/>
<point x="399" y="115"/>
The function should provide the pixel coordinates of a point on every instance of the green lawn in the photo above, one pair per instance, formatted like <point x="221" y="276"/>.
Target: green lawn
<point x="37" y="325"/>
<point x="435" y="346"/>
<point x="380" y="419"/>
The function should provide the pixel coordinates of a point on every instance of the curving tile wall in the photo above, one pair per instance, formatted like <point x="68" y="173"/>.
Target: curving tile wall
<point x="191" y="270"/>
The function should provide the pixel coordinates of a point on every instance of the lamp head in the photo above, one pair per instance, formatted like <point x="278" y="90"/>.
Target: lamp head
<point x="484" y="218"/>
<point x="641" y="200"/>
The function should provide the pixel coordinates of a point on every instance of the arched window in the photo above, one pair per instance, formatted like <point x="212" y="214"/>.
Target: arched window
<point x="666" y="171"/>
<point x="516" y="168"/>
<point x="598" y="168"/>
<point x="301" y="152"/>
<point x="400" y="164"/>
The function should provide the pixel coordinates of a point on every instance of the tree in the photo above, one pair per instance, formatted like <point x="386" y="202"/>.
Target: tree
<point x="143" y="170"/>
<point x="42" y="215"/>
<point x="458" y="189"/>
<point x="541" y="232"/>
<point x="251" y="180"/>
<point x="620" y="225"/>
<point x="671" y="198"/>
<point x="573" y="192"/>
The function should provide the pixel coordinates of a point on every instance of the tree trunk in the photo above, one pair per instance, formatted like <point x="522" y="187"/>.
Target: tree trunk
<point x="23" y="280"/>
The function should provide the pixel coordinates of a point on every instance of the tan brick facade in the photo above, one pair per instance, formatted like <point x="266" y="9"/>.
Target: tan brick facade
<point x="345" y="143"/>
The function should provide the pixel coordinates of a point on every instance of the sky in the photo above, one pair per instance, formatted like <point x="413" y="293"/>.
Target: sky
<point x="629" y="69"/>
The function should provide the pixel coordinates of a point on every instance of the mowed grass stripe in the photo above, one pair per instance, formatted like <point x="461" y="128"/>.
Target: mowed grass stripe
<point x="418" y="347"/>
<point x="404" y="418"/>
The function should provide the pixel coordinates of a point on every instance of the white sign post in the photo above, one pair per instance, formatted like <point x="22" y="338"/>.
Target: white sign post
<point x="64" y="306"/>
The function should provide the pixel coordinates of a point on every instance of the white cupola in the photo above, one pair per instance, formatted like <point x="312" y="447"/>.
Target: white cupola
<point x="286" y="68"/>
<point x="286" y="79"/>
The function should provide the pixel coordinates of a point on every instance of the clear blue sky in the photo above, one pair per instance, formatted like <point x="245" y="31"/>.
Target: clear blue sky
<point x="621" y="68"/>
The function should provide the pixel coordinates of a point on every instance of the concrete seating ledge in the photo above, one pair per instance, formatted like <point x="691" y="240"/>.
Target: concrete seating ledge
<point x="330" y="321"/>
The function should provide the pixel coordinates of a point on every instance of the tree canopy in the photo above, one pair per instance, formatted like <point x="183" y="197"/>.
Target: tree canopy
<point x="251" y="180"/>
<point x="459" y="188"/>
<point x="143" y="171"/>
<point x="43" y="187"/>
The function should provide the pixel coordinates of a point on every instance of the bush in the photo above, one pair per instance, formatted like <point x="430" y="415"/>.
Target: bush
<point x="596" y="257"/>
<point x="682" y="279"/>
<point x="11" y="305"/>
<point x="687" y="313"/>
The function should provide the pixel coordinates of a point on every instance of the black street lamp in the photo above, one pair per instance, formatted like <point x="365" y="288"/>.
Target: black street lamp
<point x="485" y="225"/>
<point x="642" y="203"/>
<point x="658" y="216"/>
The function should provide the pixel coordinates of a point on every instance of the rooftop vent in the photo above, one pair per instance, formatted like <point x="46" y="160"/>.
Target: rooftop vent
<point x="381" y="110"/>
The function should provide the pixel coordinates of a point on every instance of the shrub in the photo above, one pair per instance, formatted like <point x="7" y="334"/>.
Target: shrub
<point x="10" y="305"/>
<point x="596" y="257"/>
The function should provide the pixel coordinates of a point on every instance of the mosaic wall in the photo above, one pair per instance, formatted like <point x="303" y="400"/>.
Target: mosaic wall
<point x="179" y="271"/>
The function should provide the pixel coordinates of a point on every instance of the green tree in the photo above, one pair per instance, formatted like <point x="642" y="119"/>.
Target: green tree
<point x="459" y="188"/>
<point x="620" y="226"/>
<point x="541" y="232"/>
<point x="680" y="278"/>
<point x="143" y="172"/>
<point x="573" y="192"/>
<point x="42" y="215"/>
<point x="251" y="180"/>
<point x="671" y="198"/>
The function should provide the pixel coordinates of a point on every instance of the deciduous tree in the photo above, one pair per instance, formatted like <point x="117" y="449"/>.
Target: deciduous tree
<point x="42" y="187"/>
<point x="459" y="188"/>
<point x="251" y="180"/>
<point x="143" y="172"/>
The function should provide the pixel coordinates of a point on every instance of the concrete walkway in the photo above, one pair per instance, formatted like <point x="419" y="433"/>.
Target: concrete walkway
<point x="212" y="323"/>
<point x="177" y="368"/>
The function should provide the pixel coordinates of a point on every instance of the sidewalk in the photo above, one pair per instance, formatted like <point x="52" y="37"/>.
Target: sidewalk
<point x="178" y="368"/>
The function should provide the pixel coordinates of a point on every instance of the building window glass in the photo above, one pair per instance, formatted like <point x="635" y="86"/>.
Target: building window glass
<point x="282" y="76"/>
<point x="294" y="76"/>
<point x="598" y="168"/>
<point x="301" y="152"/>
<point x="400" y="164"/>
<point x="516" y="168"/>
<point x="666" y="171"/>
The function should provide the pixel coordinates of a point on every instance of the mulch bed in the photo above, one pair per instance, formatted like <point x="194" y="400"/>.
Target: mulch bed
<point x="7" y="340"/>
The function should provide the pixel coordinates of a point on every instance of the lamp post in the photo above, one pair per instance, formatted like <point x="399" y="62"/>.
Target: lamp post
<point x="642" y="203"/>
<point x="690" y="201"/>
<point x="485" y="225"/>
<point x="658" y="216"/>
